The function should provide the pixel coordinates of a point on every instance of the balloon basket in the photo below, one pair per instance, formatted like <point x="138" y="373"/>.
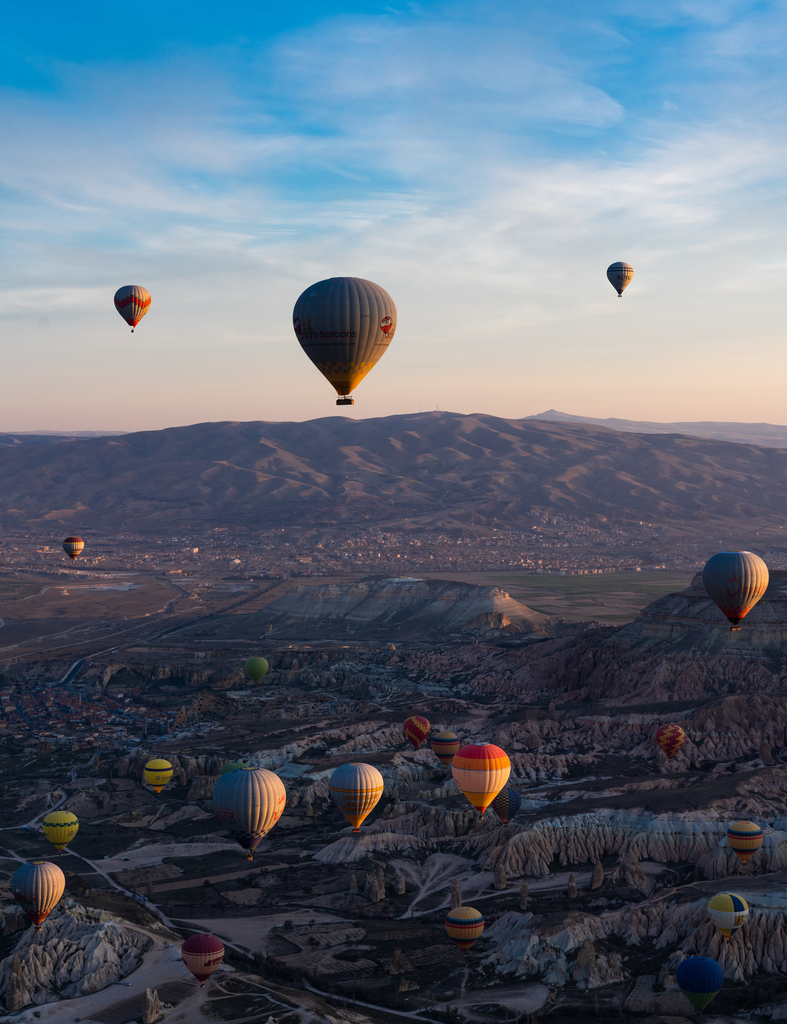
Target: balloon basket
<point x="345" y="401"/>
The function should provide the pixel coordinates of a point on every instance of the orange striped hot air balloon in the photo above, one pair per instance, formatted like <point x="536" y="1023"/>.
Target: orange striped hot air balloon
<point x="670" y="738"/>
<point x="356" y="790"/>
<point x="444" y="746"/>
<point x="415" y="730"/>
<point x="464" y="925"/>
<point x="132" y="302"/>
<point x="73" y="547"/>
<point x="37" y="887"/>
<point x="481" y="770"/>
<point x="735" y="581"/>
<point x="745" y="838"/>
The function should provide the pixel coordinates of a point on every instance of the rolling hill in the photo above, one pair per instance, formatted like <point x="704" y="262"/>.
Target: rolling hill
<point x="436" y="468"/>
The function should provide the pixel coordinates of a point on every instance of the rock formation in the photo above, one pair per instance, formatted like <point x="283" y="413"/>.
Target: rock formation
<point x="78" y="951"/>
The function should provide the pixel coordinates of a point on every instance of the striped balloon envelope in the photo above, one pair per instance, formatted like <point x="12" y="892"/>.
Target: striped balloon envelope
<point x="415" y="730"/>
<point x="73" y="547"/>
<point x="202" y="954"/>
<point x="619" y="276"/>
<point x="464" y="925"/>
<point x="670" y="738"/>
<point x="506" y="804"/>
<point x="481" y="770"/>
<point x="444" y="746"/>
<point x="132" y="302"/>
<point x="158" y="772"/>
<point x="344" y="325"/>
<point x="745" y="838"/>
<point x="249" y="802"/>
<point x="37" y="887"/>
<point x="728" y="911"/>
<point x="60" y="827"/>
<point x="700" y="979"/>
<point x="356" y="790"/>
<point x="735" y="581"/>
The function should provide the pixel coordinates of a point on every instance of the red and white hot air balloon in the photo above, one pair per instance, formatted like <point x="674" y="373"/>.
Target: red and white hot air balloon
<point x="202" y="954"/>
<point x="132" y="301"/>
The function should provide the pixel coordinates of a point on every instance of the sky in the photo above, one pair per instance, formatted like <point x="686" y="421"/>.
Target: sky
<point x="483" y="161"/>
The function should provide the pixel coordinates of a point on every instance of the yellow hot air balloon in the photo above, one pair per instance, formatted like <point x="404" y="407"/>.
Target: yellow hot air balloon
<point x="619" y="276"/>
<point x="158" y="772"/>
<point x="464" y="925"/>
<point x="37" y="887"/>
<point x="249" y="802"/>
<point x="344" y="325"/>
<point x="481" y="770"/>
<point x="356" y="789"/>
<point x="728" y="911"/>
<point x="735" y="581"/>
<point x="60" y="827"/>
<point x="444" y="746"/>
<point x="745" y="838"/>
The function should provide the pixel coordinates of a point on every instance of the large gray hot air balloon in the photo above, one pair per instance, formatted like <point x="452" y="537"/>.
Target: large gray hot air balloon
<point x="344" y="325"/>
<point x="619" y="276"/>
<point x="735" y="580"/>
<point x="249" y="802"/>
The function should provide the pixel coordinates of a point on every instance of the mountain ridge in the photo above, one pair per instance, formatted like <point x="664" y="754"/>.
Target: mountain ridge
<point x="436" y="468"/>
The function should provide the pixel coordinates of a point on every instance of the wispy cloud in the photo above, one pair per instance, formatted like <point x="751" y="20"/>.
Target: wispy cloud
<point x="484" y="163"/>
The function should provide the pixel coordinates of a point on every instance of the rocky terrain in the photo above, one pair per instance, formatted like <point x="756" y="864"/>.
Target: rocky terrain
<point x="592" y="894"/>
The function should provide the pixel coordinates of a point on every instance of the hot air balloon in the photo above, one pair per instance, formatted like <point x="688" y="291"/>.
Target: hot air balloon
<point x="356" y="789"/>
<point x="481" y="770"/>
<point x="619" y="276"/>
<point x="464" y="925"/>
<point x="249" y="802"/>
<point x="344" y="325"/>
<point x="444" y="746"/>
<point x="735" y="581"/>
<point x="415" y="730"/>
<point x="202" y="954"/>
<point x="745" y="838"/>
<point x="132" y="302"/>
<point x="700" y="979"/>
<point x="60" y="827"/>
<point x="256" y="668"/>
<point x="37" y="887"/>
<point x="232" y="766"/>
<point x="670" y="738"/>
<point x="506" y="804"/>
<point x="728" y="911"/>
<point x="73" y="547"/>
<point x="158" y="772"/>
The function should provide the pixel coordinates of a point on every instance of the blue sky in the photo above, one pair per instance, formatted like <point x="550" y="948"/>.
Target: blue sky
<point x="484" y="162"/>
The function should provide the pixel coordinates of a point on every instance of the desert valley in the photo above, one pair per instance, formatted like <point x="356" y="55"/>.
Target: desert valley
<point x="508" y="585"/>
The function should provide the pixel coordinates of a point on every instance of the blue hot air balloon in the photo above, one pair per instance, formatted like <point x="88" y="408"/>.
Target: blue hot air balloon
<point x="700" y="979"/>
<point x="506" y="804"/>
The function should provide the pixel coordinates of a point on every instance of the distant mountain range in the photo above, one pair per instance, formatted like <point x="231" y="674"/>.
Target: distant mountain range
<point x="434" y="469"/>
<point x="769" y="434"/>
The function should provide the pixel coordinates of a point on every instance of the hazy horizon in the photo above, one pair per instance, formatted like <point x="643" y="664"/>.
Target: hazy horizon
<point x="484" y="163"/>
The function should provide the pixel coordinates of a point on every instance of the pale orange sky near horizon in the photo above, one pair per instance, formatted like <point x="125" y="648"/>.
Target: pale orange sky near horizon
<point x="485" y="173"/>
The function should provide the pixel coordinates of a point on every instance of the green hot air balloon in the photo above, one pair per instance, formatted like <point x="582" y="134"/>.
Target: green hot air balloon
<point x="256" y="668"/>
<point x="344" y="325"/>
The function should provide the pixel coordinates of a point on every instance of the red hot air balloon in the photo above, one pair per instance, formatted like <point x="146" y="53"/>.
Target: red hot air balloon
<point x="202" y="954"/>
<point x="415" y="730"/>
<point x="73" y="547"/>
<point x="670" y="738"/>
<point x="132" y="302"/>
